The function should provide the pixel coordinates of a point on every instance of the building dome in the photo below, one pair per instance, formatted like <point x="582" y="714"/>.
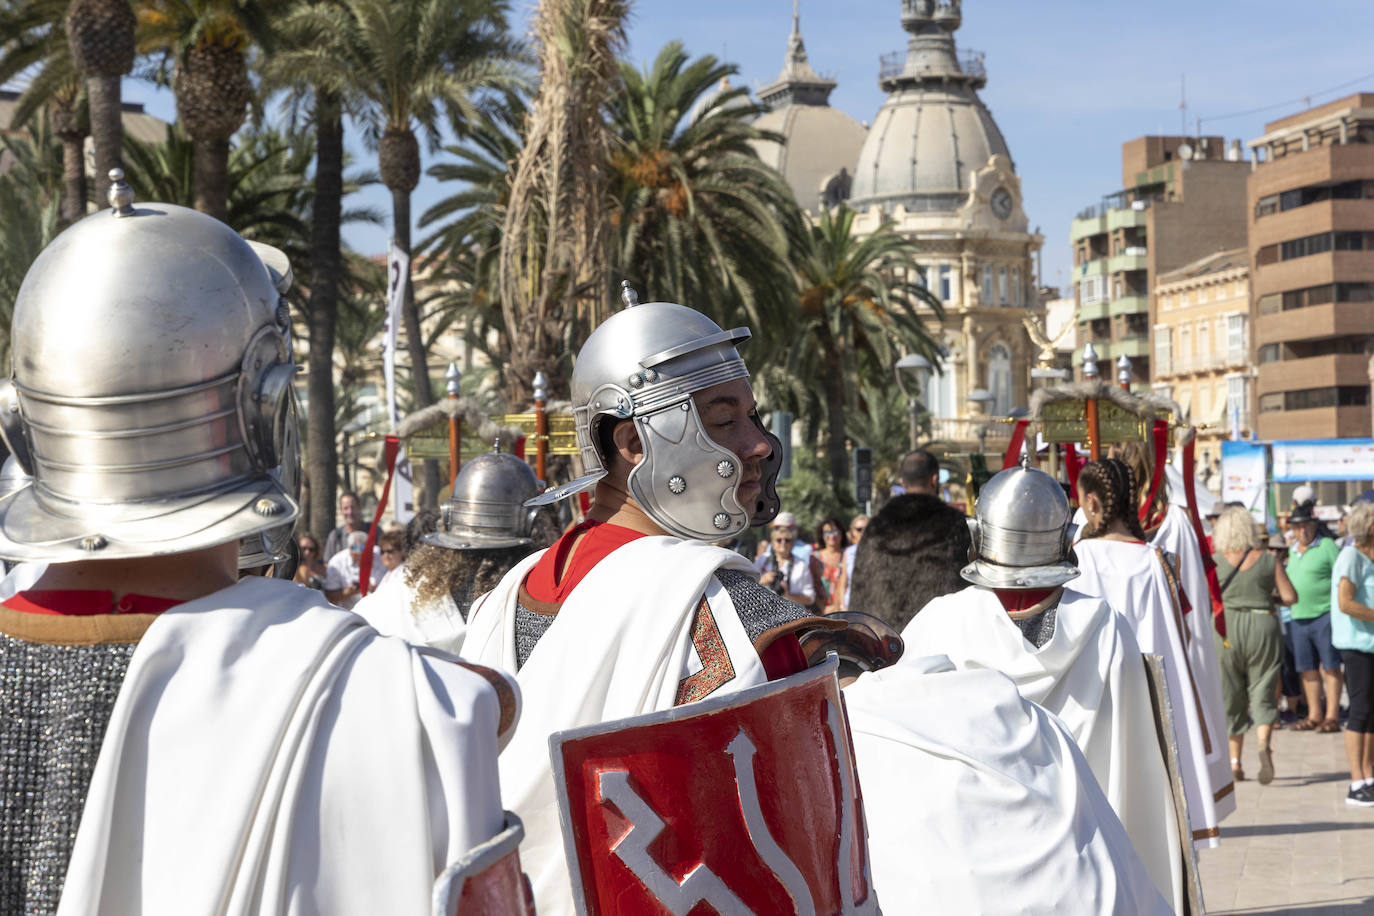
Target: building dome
<point x="933" y="132"/>
<point x="821" y="143"/>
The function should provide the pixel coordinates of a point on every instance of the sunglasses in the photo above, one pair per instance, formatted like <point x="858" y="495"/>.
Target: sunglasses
<point x="829" y="531"/>
<point x="387" y="550"/>
<point x="858" y="529"/>
<point x="308" y="548"/>
<point x="783" y="539"/>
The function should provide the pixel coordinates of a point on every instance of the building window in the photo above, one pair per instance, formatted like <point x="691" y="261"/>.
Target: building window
<point x="1269" y="353"/>
<point x="987" y="285"/>
<point x="1016" y="297"/>
<point x="1002" y="285"/>
<point x="944" y="283"/>
<point x="1237" y="405"/>
<point x="1163" y="351"/>
<point x="1271" y="403"/>
<point x="1185" y="348"/>
<point x="1323" y="242"/>
<point x="999" y="379"/>
<point x="1338" y="396"/>
<point x="1204" y="338"/>
<point x="1092" y="290"/>
<point x="1237" y="345"/>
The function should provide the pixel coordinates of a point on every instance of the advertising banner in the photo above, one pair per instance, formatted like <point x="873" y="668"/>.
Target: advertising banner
<point x="1243" y="476"/>
<point x="1309" y="460"/>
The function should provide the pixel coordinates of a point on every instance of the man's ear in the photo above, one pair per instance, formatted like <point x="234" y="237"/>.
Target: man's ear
<point x="627" y="443"/>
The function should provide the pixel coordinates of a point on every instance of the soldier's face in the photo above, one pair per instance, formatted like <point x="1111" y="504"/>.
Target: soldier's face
<point x="727" y="412"/>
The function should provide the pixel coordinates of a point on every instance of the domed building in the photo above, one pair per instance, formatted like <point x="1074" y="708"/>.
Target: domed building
<point x="935" y="163"/>
<point x="822" y="143"/>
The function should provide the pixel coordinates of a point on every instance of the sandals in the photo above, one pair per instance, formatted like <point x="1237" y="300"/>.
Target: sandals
<point x="1307" y="725"/>
<point x="1266" y="772"/>
<point x="1236" y="772"/>
<point x="1329" y="726"/>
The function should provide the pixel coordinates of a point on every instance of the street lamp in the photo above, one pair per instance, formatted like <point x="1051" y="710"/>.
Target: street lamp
<point x="913" y="362"/>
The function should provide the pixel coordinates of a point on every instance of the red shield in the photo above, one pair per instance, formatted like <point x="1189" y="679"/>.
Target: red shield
<point x="746" y="803"/>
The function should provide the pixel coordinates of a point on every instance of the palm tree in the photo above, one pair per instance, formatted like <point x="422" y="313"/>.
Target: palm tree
<point x="555" y="270"/>
<point x="29" y="217"/>
<point x="406" y="62"/>
<point x="859" y="300"/>
<point x="36" y="42"/>
<point x="699" y="218"/>
<point x="100" y="36"/>
<point x="206" y="42"/>
<point x="466" y="251"/>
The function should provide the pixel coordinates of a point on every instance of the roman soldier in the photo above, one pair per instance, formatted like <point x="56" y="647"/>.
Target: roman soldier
<point x="177" y="739"/>
<point x="634" y="610"/>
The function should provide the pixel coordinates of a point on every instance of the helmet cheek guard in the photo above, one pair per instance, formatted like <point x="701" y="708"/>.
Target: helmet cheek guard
<point x="685" y="478"/>
<point x="767" y="506"/>
<point x="12" y="427"/>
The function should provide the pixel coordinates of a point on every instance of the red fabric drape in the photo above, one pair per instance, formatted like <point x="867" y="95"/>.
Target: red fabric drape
<point x="1071" y="465"/>
<point x="390" y="449"/>
<point x="1160" y="434"/>
<point x="519" y="449"/>
<point x="1018" y="438"/>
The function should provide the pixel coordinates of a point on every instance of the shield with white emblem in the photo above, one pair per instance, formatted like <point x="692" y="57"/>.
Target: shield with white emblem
<point x="747" y="803"/>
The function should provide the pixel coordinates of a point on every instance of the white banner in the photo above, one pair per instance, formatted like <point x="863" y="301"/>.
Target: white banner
<point x="1244" y="476"/>
<point x="1308" y="460"/>
<point x="397" y="268"/>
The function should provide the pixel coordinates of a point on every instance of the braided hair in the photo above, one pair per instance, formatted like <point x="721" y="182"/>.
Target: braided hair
<point x="1112" y="481"/>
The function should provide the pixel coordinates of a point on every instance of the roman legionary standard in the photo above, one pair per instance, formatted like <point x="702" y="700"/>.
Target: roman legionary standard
<point x="174" y="740"/>
<point x="1066" y="652"/>
<point x="633" y="611"/>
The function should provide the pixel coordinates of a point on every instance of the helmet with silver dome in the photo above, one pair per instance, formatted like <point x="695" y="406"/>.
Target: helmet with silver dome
<point x="644" y="363"/>
<point x="487" y="509"/>
<point x="151" y="390"/>
<point x="1021" y="534"/>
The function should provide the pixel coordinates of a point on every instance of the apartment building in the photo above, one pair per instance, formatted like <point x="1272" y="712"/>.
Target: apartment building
<point x="1202" y="348"/>
<point x="1311" y="242"/>
<point x="1182" y="198"/>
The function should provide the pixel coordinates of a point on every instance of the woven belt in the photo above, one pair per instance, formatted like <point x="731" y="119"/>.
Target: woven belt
<point x="1252" y="610"/>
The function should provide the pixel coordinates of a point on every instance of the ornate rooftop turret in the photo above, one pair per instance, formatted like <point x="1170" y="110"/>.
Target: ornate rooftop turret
<point x="798" y="84"/>
<point x="933" y="132"/>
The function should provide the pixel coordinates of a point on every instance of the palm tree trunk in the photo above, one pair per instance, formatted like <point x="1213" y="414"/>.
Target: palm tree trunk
<point x="73" y="180"/>
<point x="832" y="382"/>
<point x="107" y="130"/>
<point x="212" y="177"/>
<point x="327" y="265"/>
<point x="415" y="341"/>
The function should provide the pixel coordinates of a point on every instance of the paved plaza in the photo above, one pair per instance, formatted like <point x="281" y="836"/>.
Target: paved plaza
<point x="1294" y="846"/>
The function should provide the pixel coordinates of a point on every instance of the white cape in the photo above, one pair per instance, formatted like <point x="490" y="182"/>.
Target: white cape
<point x="1092" y="676"/>
<point x="392" y="609"/>
<point x="620" y="646"/>
<point x="1175" y="535"/>
<point x="1133" y="580"/>
<point x="978" y="801"/>
<point x="268" y="753"/>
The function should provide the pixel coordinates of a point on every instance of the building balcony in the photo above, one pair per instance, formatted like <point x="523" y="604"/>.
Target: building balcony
<point x="1334" y="319"/>
<point x="1313" y="270"/>
<point x="1134" y="347"/>
<point x="997" y="435"/>
<point x="1335" y="369"/>
<point x="1128" y="217"/>
<point x="1092" y="311"/>
<point x="1130" y="259"/>
<point x="1094" y="268"/>
<point x="1129" y="305"/>
<point x="1087" y="226"/>
<point x="1317" y="423"/>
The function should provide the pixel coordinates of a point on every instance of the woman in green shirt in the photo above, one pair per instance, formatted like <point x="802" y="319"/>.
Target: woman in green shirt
<point x="1311" y="560"/>
<point x="1252" y="654"/>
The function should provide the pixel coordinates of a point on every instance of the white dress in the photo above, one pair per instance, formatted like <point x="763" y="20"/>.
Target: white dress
<point x="1091" y="675"/>
<point x="979" y="801"/>
<point x="1136" y="581"/>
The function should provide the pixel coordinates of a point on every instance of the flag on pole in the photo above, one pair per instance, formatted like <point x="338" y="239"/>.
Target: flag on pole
<point x="397" y="269"/>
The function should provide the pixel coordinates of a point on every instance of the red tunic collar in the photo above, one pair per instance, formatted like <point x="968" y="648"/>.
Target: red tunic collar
<point x="85" y="603"/>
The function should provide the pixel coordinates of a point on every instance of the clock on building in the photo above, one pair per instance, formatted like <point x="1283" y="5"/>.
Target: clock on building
<point x="1001" y="203"/>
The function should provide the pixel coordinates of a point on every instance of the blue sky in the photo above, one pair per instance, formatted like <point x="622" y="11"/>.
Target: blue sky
<point x="1068" y="82"/>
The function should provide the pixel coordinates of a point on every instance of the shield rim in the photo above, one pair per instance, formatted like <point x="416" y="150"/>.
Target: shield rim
<point x="827" y="669"/>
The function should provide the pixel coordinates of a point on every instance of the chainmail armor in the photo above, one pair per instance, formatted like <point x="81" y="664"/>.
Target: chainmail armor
<point x="55" y="704"/>
<point x="1039" y="629"/>
<point x="759" y="610"/>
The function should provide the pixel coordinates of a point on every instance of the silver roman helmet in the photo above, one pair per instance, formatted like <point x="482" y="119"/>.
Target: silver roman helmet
<point x="643" y="364"/>
<point x="1021" y="535"/>
<point x="487" y="509"/>
<point x="150" y="394"/>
